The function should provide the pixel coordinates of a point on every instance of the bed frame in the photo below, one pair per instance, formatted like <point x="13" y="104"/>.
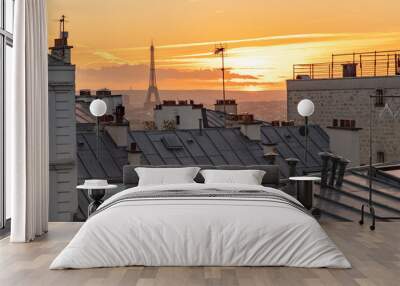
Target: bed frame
<point x="270" y="179"/>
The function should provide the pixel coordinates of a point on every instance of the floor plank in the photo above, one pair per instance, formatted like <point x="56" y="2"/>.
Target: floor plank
<point x="375" y="257"/>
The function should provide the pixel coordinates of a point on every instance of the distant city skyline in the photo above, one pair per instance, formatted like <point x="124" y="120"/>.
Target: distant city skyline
<point x="111" y="39"/>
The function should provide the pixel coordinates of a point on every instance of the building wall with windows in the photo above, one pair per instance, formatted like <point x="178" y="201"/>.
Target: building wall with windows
<point x="347" y="100"/>
<point x="6" y="63"/>
<point x="181" y="115"/>
<point x="63" y="198"/>
<point x="112" y="101"/>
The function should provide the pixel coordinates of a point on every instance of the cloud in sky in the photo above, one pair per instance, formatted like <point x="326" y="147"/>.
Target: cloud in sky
<point x="264" y="38"/>
<point x="136" y="77"/>
<point x="109" y="57"/>
<point x="252" y="64"/>
<point x="301" y="37"/>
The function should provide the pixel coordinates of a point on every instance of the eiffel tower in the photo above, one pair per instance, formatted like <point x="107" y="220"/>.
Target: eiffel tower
<point x="152" y="90"/>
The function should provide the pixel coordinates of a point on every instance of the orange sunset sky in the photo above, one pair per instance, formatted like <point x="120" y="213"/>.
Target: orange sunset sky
<point x="264" y="39"/>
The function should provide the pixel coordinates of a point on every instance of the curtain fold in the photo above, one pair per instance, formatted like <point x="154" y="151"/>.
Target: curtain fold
<point x="27" y="124"/>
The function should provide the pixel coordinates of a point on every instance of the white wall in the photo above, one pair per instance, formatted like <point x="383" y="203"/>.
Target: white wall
<point x="229" y="108"/>
<point x="189" y="117"/>
<point x="345" y="143"/>
<point x="251" y="130"/>
<point x="348" y="98"/>
<point x="112" y="102"/>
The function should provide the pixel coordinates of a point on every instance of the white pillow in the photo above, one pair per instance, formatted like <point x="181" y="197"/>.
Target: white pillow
<point x="247" y="177"/>
<point x="166" y="176"/>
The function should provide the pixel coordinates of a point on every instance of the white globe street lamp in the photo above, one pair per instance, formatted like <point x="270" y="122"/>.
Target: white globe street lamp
<point x="98" y="108"/>
<point x="306" y="108"/>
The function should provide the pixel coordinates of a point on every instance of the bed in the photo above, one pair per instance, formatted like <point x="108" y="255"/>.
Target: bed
<point x="201" y="224"/>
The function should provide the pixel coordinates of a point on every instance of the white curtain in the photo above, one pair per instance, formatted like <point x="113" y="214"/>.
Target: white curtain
<point x="27" y="124"/>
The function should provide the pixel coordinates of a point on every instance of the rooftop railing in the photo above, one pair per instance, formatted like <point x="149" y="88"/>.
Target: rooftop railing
<point x="382" y="63"/>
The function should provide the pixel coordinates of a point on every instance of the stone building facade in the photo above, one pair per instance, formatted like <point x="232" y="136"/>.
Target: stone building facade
<point x="343" y="105"/>
<point x="63" y="201"/>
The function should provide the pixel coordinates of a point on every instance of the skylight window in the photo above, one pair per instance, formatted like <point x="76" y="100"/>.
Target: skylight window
<point x="171" y="141"/>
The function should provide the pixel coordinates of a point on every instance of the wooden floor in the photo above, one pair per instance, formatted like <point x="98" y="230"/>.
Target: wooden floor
<point x="375" y="257"/>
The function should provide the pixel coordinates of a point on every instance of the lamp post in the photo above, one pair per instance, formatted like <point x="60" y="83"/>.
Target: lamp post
<point x="98" y="108"/>
<point x="305" y="108"/>
<point x="221" y="50"/>
<point x="370" y="204"/>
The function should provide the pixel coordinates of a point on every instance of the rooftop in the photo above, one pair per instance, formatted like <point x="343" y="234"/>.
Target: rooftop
<point x="367" y="64"/>
<point x="344" y="202"/>
<point x="291" y="144"/>
<point x="209" y="146"/>
<point x="212" y="118"/>
<point x="167" y="103"/>
<point x="100" y="93"/>
<point x="108" y="164"/>
<point x="228" y="146"/>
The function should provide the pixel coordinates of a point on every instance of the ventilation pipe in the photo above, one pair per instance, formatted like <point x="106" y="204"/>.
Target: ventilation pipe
<point x="325" y="156"/>
<point x="292" y="163"/>
<point x="342" y="168"/>
<point x="335" y="161"/>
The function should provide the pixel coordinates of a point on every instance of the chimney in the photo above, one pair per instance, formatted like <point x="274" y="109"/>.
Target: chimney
<point x="276" y="123"/>
<point x="61" y="49"/>
<point x="270" y="152"/>
<point x="287" y="123"/>
<point x="103" y="92"/>
<point x="230" y="106"/>
<point x="169" y="102"/>
<point x="134" y="154"/>
<point x="119" y="114"/>
<point x="249" y="127"/>
<point x="85" y="92"/>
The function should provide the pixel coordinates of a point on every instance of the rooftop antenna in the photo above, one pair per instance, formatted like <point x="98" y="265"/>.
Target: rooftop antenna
<point x="220" y="50"/>
<point x="62" y="24"/>
<point x="62" y="32"/>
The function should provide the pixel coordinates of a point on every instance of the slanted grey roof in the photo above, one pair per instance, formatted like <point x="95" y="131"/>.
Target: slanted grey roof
<point x="211" y="146"/>
<point x="107" y="165"/>
<point x="213" y="118"/>
<point x="290" y="144"/>
<point x="228" y="146"/>
<point x="82" y="113"/>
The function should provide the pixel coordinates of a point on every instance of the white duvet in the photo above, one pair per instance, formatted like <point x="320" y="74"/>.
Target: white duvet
<point x="202" y="232"/>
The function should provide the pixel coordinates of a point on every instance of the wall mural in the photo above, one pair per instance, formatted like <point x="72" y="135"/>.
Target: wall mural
<point x="263" y="40"/>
